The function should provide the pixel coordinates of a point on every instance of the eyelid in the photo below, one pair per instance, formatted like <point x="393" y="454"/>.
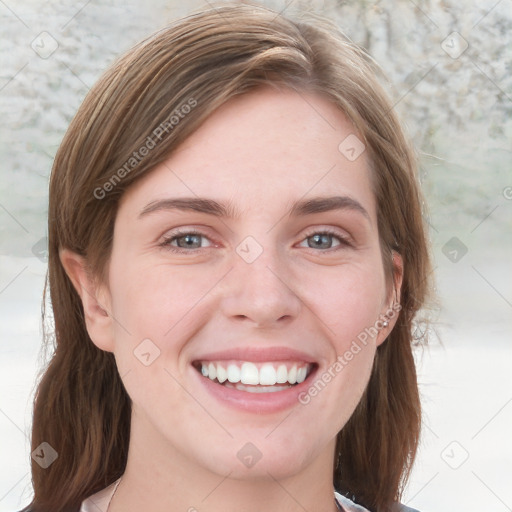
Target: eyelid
<point x="326" y="229"/>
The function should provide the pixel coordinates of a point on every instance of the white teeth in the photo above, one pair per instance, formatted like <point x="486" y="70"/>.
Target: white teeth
<point x="282" y="374"/>
<point x="268" y="374"/>
<point x="233" y="373"/>
<point x="257" y="389"/>
<point x="222" y="374"/>
<point x="292" y="375"/>
<point x="301" y="374"/>
<point x="249" y="374"/>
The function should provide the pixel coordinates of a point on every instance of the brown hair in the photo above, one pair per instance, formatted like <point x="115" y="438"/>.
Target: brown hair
<point x="81" y="407"/>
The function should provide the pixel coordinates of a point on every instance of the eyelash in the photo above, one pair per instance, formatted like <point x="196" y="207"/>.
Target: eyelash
<point x="343" y="241"/>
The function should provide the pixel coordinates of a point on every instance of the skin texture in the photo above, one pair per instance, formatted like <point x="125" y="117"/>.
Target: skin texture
<point x="261" y="152"/>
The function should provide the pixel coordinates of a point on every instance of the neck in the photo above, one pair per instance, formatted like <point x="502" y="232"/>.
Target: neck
<point x="158" y="478"/>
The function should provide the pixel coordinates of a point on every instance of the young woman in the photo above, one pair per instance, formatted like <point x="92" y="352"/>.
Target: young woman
<point x="236" y="257"/>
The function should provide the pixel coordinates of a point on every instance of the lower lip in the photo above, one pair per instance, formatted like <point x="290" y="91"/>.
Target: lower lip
<point x="273" y="401"/>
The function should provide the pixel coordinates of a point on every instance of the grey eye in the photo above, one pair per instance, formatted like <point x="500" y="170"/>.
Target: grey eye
<point x="190" y="241"/>
<point x="320" y="241"/>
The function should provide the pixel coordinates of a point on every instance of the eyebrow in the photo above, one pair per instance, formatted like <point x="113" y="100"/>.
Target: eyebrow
<point x="227" y="210"/>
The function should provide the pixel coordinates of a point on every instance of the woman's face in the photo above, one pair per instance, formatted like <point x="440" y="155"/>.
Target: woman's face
<point x="252" y="253"/>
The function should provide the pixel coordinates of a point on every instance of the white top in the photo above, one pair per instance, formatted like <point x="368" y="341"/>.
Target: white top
<point x="99" y="502"/>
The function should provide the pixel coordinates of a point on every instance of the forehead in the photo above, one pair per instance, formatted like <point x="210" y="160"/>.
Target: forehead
<point x="268" y="148"/>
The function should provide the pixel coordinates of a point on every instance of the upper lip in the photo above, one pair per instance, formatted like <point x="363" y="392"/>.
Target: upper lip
<point x="255" y="354"/>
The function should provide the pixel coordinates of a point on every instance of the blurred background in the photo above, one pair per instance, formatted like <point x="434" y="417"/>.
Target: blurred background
<point x="449" y="70"/>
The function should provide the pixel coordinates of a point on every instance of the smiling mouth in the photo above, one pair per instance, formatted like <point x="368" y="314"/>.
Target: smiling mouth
<point x="265" y="377"/>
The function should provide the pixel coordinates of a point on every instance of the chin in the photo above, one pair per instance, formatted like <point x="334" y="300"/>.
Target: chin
<point x="260" y="460"/>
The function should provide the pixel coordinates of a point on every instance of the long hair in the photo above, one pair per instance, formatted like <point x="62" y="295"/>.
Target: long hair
<point x="156" y="95"/>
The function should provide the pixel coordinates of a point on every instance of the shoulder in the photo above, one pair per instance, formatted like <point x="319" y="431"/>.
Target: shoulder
<point x="349" y="506"/>
<point x="99" y="502"/>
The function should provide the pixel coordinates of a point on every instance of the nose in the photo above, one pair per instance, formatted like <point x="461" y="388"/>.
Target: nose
<point x="260" y="293"/>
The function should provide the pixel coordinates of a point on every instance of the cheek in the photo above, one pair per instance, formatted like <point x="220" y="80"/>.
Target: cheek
<point x="164" y="305"/>
<point x="151" y="300"/>
<point x="338" y="386"/>
<point x="347" y="299"/>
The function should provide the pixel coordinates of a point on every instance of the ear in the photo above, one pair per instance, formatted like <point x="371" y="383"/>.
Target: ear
<point x="95" y="297"/>
<point x="392" y="306"/>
